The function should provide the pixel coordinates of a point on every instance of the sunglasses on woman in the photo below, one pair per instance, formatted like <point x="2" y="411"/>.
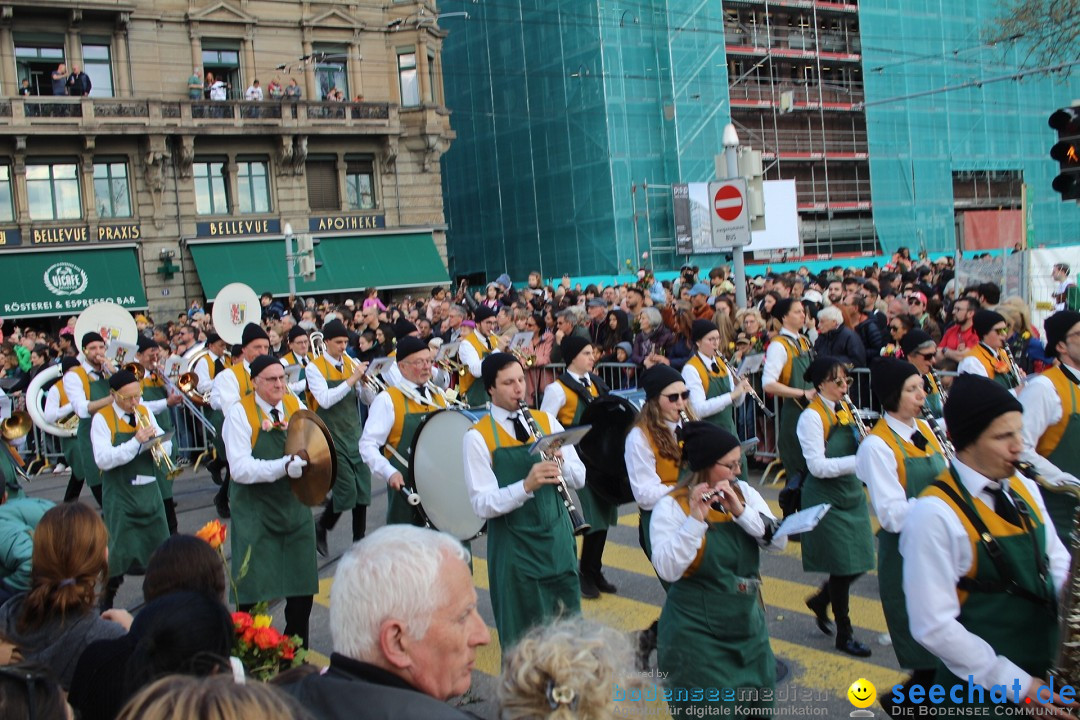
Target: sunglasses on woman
<point x="674" y="397"/>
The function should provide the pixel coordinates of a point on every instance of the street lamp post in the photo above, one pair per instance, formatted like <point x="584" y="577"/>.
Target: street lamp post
<point x="731" y="146"/>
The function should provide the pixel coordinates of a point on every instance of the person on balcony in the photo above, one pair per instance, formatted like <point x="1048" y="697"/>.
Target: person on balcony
<point x="59" y="80"/>
<point x="78" y="83"/>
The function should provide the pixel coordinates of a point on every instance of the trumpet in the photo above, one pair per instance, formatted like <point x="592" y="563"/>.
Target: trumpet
<point x="860" y="426"/>
<point x="161" y="458"/>
<point x="526" y="359"/>
<point x="577" y="520"/>
<point x="736" y="378"/>
<point x="16" y="426"/>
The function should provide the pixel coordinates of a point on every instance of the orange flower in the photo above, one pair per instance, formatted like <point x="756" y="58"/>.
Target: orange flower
<point x="242" y="621"/>
<point x="213" y="533"/>
<point x="288" y="652"/>
<point x="1001" y="366"/>
<point x="267" y="638"/>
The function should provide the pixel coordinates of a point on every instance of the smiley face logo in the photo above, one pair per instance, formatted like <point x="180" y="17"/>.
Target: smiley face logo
<point x="862" y="693"/>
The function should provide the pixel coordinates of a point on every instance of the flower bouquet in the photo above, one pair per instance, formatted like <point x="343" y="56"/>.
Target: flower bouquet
<point x="261" y="647"/>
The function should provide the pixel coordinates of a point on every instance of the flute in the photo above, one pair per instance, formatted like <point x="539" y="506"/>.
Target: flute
<point x="576" y="518"/>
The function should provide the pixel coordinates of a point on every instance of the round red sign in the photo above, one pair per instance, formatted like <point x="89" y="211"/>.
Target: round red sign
<point x="728" y="203"/>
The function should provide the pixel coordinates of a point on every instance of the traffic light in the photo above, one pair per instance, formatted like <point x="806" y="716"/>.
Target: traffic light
<point x="305" y="255"/>
<point x="1067" y="151"/>
<point x="750" y="167"/>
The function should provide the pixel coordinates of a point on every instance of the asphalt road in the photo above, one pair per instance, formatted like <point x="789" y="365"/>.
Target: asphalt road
<point x="817" y="676"/>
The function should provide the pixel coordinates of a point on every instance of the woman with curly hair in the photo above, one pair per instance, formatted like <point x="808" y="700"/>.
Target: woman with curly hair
<point x="574" y="669"/>
<point x="218" y="697"/>
<point x="54" y="622"/>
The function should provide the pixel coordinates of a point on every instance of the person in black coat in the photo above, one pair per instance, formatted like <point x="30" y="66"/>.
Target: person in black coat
<point x="836" y="339"/>
<point x="867" y="329"/>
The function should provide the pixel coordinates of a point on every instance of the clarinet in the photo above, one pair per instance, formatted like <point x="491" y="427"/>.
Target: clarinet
<point x="946" y="445"/>
<point x="1013" y="370"/>
<point x="576" y="518"/>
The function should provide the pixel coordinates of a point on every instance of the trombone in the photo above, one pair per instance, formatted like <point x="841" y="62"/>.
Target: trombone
<point x="318" y="344"/>
<point x="139" y="372"/>
<point x="161" y="458"/>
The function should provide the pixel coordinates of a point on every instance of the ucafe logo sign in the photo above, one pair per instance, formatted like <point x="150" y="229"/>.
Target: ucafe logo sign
<point x="64" y="278"/>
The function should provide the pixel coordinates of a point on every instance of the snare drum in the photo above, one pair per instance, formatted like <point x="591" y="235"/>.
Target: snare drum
<point x="437" y="472"/>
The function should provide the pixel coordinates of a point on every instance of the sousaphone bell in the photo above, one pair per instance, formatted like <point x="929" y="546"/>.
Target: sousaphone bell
<point x="309" y="438"/>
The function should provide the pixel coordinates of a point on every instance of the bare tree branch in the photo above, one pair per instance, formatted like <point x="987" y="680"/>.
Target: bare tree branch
<point x="1047" y="31"/>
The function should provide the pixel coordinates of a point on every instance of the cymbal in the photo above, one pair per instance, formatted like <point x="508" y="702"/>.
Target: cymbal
<point x="308" y="436"/>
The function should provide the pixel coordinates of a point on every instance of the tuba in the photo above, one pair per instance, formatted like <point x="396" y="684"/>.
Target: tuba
<point x="35" y="403"/>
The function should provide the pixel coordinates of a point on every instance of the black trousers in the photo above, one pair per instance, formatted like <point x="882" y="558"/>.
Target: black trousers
<point x="838" y="590"/>
<point x="329" y="519"/>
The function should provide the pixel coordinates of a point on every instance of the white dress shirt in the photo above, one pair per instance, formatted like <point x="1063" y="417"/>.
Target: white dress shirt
<point x="776" y="358"/>
<point x="875" y="465"/>
<point x="1043" y="408"/>
<point x="555" y="396"/>
<point x="202" y="371"/>
<point x="380" y="421"/>
<point x="677" y="536"/>
<point x="641" y="467"/>
<point x="156" y="406"/>
<point x="488" y="499"/>
<point x="54" y="411"/>
<point x="701" y="406"/>
<point x="300" y="385"/>
<point x="468" y="356"/>
<point x="73" y="388"/>
<point x="937" y="553"/>
<point x="236" y="432"/>
<point x="811" y="433"/>
<point x="108" y="456"/>
<point x="325" y="395"/>
<point x="971" y="365"/>
<point x="226" y="390"/>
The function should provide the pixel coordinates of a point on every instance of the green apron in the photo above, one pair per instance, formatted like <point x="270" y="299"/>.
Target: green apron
<point x="1066" y="456"/>
<point x="164" y="419"/>
<point x="919" y="472"/>
<point x="477" y="395"/>
<point x="600" y="514"/>
<point x="532" y="559"/>
<point x="9" y="470"/>
<point x="352" y="487"/>
<point x="843" y="542"/>
<point x="134" y="514"/>
<point x="933" y="400"/>
<point x="84" y="449"/>
<point x="712" y="631"/>
<point x="725" y="419"/>
<point x="398" y="509"/>
<point x="1017" y="628"/>
<point x="787" y="444"/>
<point x="278" y="529"/>
<point x="645" y="518"/>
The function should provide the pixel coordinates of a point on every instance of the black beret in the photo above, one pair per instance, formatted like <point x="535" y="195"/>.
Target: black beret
<point x="403" y="327"/>
<point x="571" y="346"/>
<point x="334" y="329"/>
<point x="975" y="402"/>
<point x="91" y="337"/>
<point x="409" y="345"/>
<point x="887" y="377"/>
<point x="705" y="443"/>
<point x="1057" y="326"/>
<point x="913" y="340"/>
<point x="655" y="379"/>
<point x="212" y="337"/>
<point x="67" y="363"/>
<point x="252" y="332"/>
<point x="236" y="350"/>
<point x="143" y="343"/>
<point x="701" y="328"/>
<point x="491" y="366"/>
<point x="783" y="307"/>
<point x="985" y="320"/>
<point x="261" y="363"/>
<point x="120" y="378"/>
<point x="294" y="333"/>
<point x="821" y="369"/>
<point x="481" y="313"/>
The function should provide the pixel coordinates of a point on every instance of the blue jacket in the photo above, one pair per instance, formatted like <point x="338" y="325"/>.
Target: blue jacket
<point x="18" y="518"/>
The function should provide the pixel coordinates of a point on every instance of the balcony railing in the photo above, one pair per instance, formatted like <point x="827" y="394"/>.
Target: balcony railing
<point x="780" y="38"/>
<point x="88" y="113"/>
<point x="803" y="95"/>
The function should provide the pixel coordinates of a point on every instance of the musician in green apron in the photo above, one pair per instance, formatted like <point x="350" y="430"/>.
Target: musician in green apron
<point x="333" y="382"/>
<point x="472" y="351"/>
<point x="532" y="567"/>
<point x="393" y="419"/>
<point x="11" y="471"/>
<point x="713" y="632"/>
<point x="87" y="387"/>
<point x="713" y="394"/>
<point x="206" y="369"/>
<point x="786" y="359"/>
<point x="299" y="354"/>
<point x="842" y="544"/>
<point x="1051" y="403"/>
<point x="58" y="408"/>
<point x="921" y="351"/>
<point x="989" y="358"/>
<point x="158" y="400"/>
<point x="131" y="479"/>
<point x="897" y="460"/>
<point x="983" y="566"/>
<point x="566" y="399"/>
<point x="269" y="523"/>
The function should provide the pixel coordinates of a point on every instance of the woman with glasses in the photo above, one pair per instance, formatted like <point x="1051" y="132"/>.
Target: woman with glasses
<point x="707" y="535"/>
<point x="842" y="544"/>
<point x="989" y="358"/>
<point x="536" y="379"/>
<point x="751" y="327"/>
<point x="919" y="309"/>
<point x="899" y="326"/>
<point x="921" y="351"/>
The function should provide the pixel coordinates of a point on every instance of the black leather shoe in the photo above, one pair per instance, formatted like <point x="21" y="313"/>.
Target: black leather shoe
<point x="603" y="585"/>
<point x="320" y="540"/>
<point x="222" y="505"/>
<point x="646" y="642"/>
<point x="588" y="587"/>
<point x="851" y="646"/>
<point x="215" y="474"/>
<point x="820" y="608"/>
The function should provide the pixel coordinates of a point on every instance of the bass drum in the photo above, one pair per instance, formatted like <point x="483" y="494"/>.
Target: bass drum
<point x="437" y="472"/>
<point x="601" y="450"/>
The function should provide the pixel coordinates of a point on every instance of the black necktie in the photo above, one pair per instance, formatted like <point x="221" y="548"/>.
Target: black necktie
<point x="715" y="369"/>
<point x="422" y="390"/>
<point x="130" y="418"/>
<point x="520" y="429"/>
<point x="218" y="366"/>
<point x="1003" y="506"/>
<point x="303" y="362"/>
<point x="585" y="382"/>
<point x="275" y="415"/>
<point x="918" y="440"/>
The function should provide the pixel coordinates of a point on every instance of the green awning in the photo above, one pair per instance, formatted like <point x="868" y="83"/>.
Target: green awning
<point x="349" y="263"/>
<point x="43" y="283"/>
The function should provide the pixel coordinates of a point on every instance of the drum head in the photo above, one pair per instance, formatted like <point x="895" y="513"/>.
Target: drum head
<point x="109" y="320"/>
<point x="308" y="432"/>
<point x="602" y="449"/>
<point x="235" y="306"/>
<point x="437" y="473"/>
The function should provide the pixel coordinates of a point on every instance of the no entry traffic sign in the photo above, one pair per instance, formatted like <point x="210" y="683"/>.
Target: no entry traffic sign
<point x="730" y="216"/>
